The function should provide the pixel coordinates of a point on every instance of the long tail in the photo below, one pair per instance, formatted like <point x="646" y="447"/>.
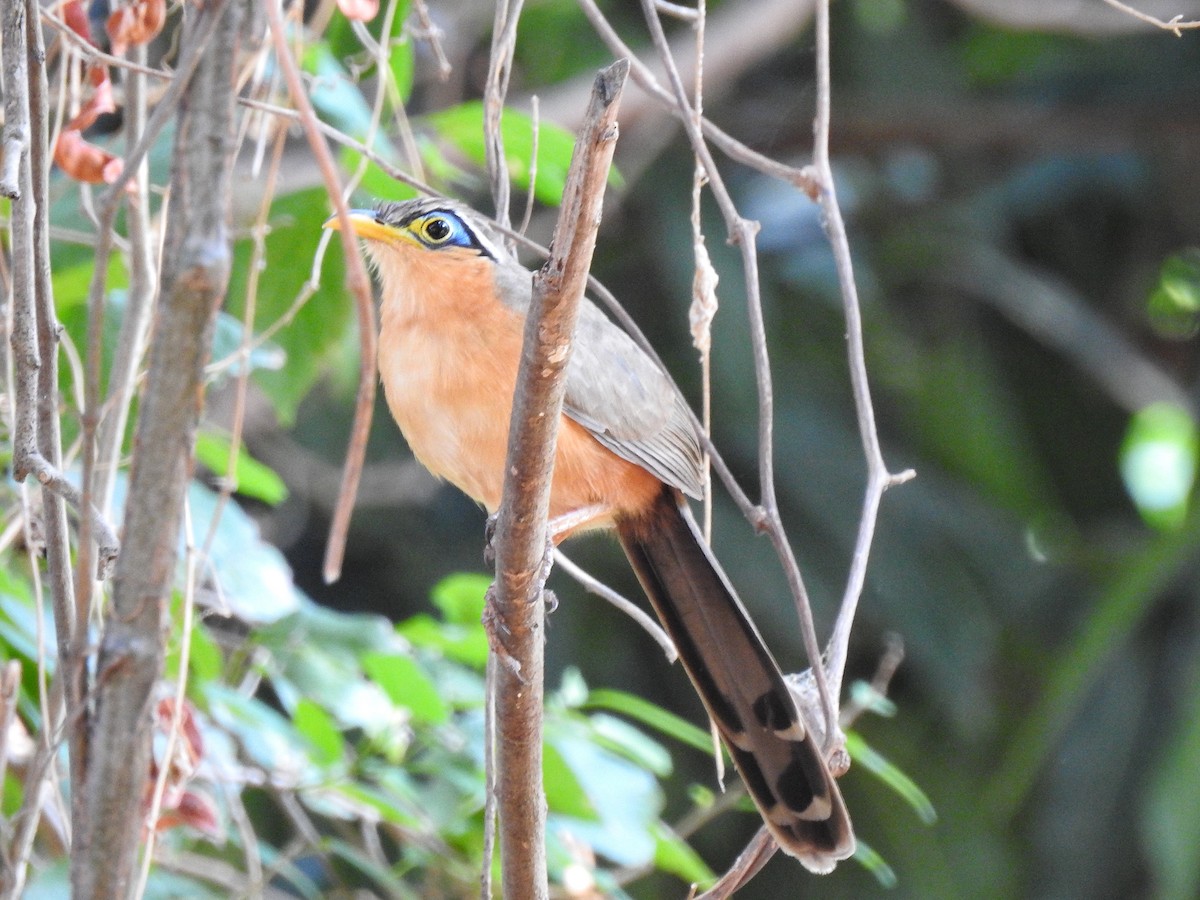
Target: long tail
<point x="740" y="684"/>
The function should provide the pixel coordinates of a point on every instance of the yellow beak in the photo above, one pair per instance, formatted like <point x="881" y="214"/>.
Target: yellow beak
<point x="364" y="224"/>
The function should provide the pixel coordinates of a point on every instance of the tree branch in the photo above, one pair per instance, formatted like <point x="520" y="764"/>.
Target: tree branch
<point x="521" y="539"/>
<point x="195" y="274"/>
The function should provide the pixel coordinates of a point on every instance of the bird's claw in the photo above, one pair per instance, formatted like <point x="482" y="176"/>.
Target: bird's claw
<point x="496" y="631"/>
<point x="489" y="540"/>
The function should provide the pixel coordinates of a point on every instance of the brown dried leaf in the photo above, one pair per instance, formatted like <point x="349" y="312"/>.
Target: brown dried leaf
<point x="83" y="161"/>
<point x="76" y="16"/>
<point x="137" y="23"/>
<point x="194" y="809"/>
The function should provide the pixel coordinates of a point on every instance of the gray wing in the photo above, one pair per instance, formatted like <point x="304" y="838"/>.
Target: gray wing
<point x="616" y="392"/>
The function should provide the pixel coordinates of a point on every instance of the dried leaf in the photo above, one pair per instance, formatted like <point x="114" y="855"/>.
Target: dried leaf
<point x="79" y="159"/>
<point x="189" y="731"/>
<point x="194" y="809"/>
<point x="76" y="17"/>
<point x="137" y="23"/>
<point x="83" y="161"/>
<point x="362" y="10"/>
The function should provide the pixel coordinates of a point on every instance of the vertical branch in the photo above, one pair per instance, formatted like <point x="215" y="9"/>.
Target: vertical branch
<point x="504" y="39"/>
<point x="521" y="538"/>
<point x="742" y="233"/>
<point x="36" y="444"/>
<point x="879" y="479"/>
<point x="139" y="304"/>
<point x="194" y="278"/>
<point x="70" y="625"/>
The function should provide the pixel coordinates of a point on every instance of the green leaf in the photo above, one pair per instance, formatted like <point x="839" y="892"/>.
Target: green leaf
<point x="673" y="854"/>
<point x="867" y="857"/>
<point x="1174" y="304"/>
<point x="873" y="761"/>
<point x="460" y="597"/>
<point x="1158" y="463"/>
<point x="375" y="184"/>
<point x="335" y="97"/>
<point x="228" y="337"/>
<point x="251" y="478"/>
<point x="19" y="622"/>
<point x="53" y="882"/>
<point x="654" y="716"/>
<point x="407" y="685"/>
<point x="623" y="799"/>
<point x="316" y="336"/>
<point x="462" y="126"/>
<point x="381" y="875"/>
<point x="268" y="738"/>
<point x="344" y="43"/>
<point x="204" y="656"/>
<point x="353" y="797"/>
<point x="564" y="793"/>
<point x="255" y="580"/>
<point x="318" y="727"/>
<point x="623" y="738"/>
<point x="1169" y="818"/>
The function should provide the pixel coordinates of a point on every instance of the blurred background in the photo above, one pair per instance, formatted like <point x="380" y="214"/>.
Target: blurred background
<point x="1022" y="187"/>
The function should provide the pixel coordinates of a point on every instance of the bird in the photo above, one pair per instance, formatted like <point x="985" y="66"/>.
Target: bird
<point x="453" y="301"/>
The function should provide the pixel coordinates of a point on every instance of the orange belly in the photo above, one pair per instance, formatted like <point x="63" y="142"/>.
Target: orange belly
<point x="448" y="371"/>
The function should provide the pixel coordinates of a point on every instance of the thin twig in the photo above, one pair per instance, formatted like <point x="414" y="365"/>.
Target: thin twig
<point x="594" y="585"/>
<point x="139" y="303"/>
<point x="15" y="142"/>
<point x="1175" y="24"/>
<point x="531" y="194"/>
<point x="10" y="685"/>
<point x="489" y="780"/>
<point x="359" y="284"/>
<point x="879" y="479"/>
<point x="433" y="35"/>
<point x="742" y="233"/>
<point x="504" y="44"/>
<point x="179" y="700"/>
<point x="730" y="146"/>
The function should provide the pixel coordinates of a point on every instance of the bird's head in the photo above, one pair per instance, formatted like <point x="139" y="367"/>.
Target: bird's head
<point x="430" y="224"/>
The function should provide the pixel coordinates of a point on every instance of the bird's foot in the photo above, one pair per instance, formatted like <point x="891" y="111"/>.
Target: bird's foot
<point x="497" y="632"/>
<point x="489" y="540"/>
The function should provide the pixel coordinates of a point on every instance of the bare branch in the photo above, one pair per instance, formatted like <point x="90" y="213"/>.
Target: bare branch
<point x="742" y="233"/>
<point x="624" y="604"/>
<point x="879" y="479"/>
<point x="1175" y="25"/>
<point x="730" y="146"/>
<point x="521" y="538"/>
<point x="195" y="273"/>
<point x="504" y="44"/>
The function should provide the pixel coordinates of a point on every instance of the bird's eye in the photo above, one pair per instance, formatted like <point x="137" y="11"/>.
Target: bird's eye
<point x="436" y="229"/>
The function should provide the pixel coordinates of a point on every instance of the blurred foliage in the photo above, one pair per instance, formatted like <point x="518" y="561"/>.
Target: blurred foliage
<point x="1023" y="214"/>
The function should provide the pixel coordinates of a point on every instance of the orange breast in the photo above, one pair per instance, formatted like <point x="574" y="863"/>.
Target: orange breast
<point x="448" y="356"/>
